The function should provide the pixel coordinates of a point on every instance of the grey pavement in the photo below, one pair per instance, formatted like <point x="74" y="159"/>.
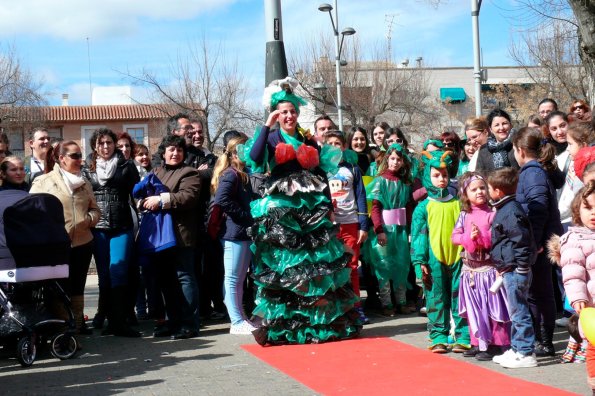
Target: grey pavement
<point x="215" y="364"/>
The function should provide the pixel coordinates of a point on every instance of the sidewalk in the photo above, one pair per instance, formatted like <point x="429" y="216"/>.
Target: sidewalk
<point x="214" y="363"/>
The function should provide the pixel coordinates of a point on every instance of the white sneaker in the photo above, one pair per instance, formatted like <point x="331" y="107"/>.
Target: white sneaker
<point x="506" y="355"/>
<point x="242" y="328"/>
<point x="519" y="361"/>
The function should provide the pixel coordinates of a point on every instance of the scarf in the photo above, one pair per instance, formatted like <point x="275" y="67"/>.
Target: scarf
<point x="499" y="151"/>
<point x="106" y="169"/>
<point x="560" y="147"/>
<point x="72" y="181"/>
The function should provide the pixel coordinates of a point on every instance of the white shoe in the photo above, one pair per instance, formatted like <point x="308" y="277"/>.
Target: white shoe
<point x="519" y="361"/>
<point x="506" y="355"/>
<point x="242" y="328"/>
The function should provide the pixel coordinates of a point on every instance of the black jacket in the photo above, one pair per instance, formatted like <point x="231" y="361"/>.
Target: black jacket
<point x="113" y="198"/>
<point x="485" y="162"/>
<point x="513" y="245"/>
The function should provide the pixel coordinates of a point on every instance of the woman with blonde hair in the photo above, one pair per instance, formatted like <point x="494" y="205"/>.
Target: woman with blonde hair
<point x="233" y="192"/>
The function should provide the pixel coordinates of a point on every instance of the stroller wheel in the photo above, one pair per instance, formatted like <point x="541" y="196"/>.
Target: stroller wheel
<point x="26" y="351"/>
<point x="63" y="346"/>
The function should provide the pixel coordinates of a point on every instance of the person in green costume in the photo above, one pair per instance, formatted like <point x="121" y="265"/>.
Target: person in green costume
<point x="437" y="261"/>
<point x="391" y="194"/>
<point x="300" y="266"/>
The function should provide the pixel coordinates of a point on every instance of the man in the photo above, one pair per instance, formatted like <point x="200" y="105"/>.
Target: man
<point x="39" y="142"/>
<point x="322" y="125"/>
<point x="209" y="262"/>
<point x="546" y="106"/>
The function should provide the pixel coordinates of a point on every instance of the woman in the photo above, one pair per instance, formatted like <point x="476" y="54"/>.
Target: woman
<point x="112" y="178"/>
<point x="177" y="280"/>
<point x="125" y="144"/>
<point x="477" y="133"/>
<point x="81" y="213"/>
<point x="142" y="159"/>
<point x="12" y="174"/>
<point x="467" y="151"/>
<point x="497" y="152"/>
<point x="300" y="265"/>
<point x="580" y="110"/>
<point x="233" y="193"/>
<point x="377" y="138"/>
<point x="554" y="130"/>
<point x="357" y="140"/>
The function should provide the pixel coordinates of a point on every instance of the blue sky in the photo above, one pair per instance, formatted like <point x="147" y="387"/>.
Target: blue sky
<point x="50" y="37"/>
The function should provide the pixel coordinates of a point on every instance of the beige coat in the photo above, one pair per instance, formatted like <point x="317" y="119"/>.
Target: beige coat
<point x="80" y="209"/>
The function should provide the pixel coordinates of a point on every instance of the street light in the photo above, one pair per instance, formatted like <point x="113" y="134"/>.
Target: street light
<point x="348" y="31"/>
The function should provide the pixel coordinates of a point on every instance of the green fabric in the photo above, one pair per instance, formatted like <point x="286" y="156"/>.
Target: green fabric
<point x="463" y="167"/>
<point x="303" y="334"/>
<point x="244" y="154"/>
<point x="442" y="217"/>
<point x="391" y="261"/>
<point x="296" y="143"/>
<point x="261" y="206"/>
<point x="436" y="159"/>
<point x="350" y="156"/>
<point x="330" y="157"/>
<point x="284" y="96"/>
<point x="452" y="95"/>
<point x="442" y="301"/>
<point x="373" y="169"/>
<point x="433" y="142"/>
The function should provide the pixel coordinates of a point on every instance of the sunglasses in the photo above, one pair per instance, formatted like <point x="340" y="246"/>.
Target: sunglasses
<point x="578" y="107"/>
<point x="74" y="156"/>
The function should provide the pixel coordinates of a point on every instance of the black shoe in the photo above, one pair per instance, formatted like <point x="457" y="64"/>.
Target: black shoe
<point x="542" y="350"/>
<point x="162" y="331"/>
<point x="471" y="352"/>
<point x="484" y="356"/>
<point x="98" y="321"/>
<point x="184" y="334"/>
<point x="126" y="331"/>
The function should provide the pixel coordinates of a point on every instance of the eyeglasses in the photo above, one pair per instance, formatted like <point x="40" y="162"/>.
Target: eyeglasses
<point x="74" y="156"/>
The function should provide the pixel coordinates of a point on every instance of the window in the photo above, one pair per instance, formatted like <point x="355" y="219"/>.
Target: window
<point x="138" y="132"/>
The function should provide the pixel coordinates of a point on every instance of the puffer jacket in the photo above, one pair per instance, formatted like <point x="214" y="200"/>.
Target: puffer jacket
<point x="113" y="197"/>
<point x="81" y="212"/>
<point x="577" y="259"/>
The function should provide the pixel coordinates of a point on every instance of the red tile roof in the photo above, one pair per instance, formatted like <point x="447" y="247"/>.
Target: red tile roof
<point x="107" y="112"/>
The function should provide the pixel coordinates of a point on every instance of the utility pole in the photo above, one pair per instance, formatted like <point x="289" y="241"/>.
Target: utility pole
<point x="475" y="7"/>
<point x="276" y="62"/>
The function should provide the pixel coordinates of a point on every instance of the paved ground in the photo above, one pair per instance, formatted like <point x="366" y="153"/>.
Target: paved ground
<point x="213" y="364"/>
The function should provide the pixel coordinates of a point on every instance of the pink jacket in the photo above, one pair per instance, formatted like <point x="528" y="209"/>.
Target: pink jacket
<point x="482" y="217"/>
<point x="577" y="259"/>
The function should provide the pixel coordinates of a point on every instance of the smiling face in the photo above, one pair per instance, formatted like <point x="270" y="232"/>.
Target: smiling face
<point x="545" y="109"/>
<point x="15" y="172"/>
<point x="105" y="147"/>
<point x="143" y="158"/>
<point x="477" y="192"/>
<point x="173" y="155"/>
<point x="288" y="116"/>
<point x="558" y="127"/>
<point x="197" y="135"/>
<point x="477" y="137"/>
<point x="394" y="162"/>
<point x="40" y="144"/>
<point x="500" y="128"/>
<point x="378" y="136"/>
<point x="439" y="177"/>
<point x="470" y="149"/>
<point x="72" y="159"/>
<point x="358" y="143"/>
<point x="587" y="212"/>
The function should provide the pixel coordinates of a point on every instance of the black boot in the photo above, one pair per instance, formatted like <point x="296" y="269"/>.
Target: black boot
<point x="102" y="308"/>
<point x="117" y="315"/>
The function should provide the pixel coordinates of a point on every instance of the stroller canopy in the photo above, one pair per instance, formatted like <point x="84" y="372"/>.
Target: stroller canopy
<point x="34" y="244"/>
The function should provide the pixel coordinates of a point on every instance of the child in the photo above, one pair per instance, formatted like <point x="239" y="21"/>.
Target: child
<point x="513" y="252"/>
<point x="349" y="201"/>
<point x="486" y="312"/>
<point x="467" y="150"/>
<point x="437" y="261"/>
<point x="577" y="250"/>
<point x="390" y="194"/>
<point x="537" y="195"/>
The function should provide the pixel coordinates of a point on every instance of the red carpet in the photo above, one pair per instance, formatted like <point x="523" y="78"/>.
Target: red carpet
<point x="368" y="366"/>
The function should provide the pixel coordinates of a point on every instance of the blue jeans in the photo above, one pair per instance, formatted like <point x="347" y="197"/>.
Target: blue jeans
<point x="236" y="259"/>
<point x="113" y="250"/>
<point x="517" y="292"/>
<point x="187" y="279"/>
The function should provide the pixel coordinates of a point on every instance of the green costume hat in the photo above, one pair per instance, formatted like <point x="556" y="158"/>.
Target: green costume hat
<point x="436" y="159"/>
<point x="282" y="91"/>
<point x="434" y="142"/>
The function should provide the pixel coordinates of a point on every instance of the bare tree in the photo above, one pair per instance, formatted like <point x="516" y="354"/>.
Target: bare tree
<point x="205" y="85"/>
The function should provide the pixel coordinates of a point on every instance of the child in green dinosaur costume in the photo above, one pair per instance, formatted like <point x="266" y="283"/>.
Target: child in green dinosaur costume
<point x="437" y="261"/>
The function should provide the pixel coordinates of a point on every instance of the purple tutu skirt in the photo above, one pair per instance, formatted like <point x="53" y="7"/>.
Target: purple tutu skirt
<point x="486" y="312"/>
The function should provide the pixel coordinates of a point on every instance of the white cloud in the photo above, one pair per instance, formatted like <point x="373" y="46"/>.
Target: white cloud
<point x="73" y="19"/>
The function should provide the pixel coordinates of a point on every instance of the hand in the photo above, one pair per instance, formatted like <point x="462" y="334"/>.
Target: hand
<point x="474" y="232"/>
<point x="578" y="306"/>
<point x="363" y="235"/>
<point x="331" y="216"/>
<point x="540" y="250"/>
<point x="273" y="117"/>
<point x="202" y="167"/>
<point x="381" y="239"/>
<point x="426" y="277"/>
<point x="152" y="203"/>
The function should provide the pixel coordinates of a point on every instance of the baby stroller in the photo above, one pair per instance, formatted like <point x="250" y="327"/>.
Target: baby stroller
<point x="34" y="253"/>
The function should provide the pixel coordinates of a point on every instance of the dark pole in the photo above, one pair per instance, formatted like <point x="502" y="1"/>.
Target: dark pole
<point x="276" y="63"/>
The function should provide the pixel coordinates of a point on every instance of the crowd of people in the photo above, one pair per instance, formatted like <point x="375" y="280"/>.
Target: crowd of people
<point x="282" y="230"/>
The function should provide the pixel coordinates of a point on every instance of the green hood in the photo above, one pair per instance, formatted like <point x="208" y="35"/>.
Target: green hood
<point x="436" y="159"/>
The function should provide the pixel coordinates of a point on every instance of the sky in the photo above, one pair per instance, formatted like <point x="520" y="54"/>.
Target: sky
<point x="66" y="43"/>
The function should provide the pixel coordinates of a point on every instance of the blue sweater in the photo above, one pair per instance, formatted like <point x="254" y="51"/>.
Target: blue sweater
<point x="234" y="198"/>
<point x="537" y="195"/>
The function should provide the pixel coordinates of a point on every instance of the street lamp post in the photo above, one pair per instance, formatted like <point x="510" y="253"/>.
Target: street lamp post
<point x="475" y="7"/>
<point x="348" y="31"/>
